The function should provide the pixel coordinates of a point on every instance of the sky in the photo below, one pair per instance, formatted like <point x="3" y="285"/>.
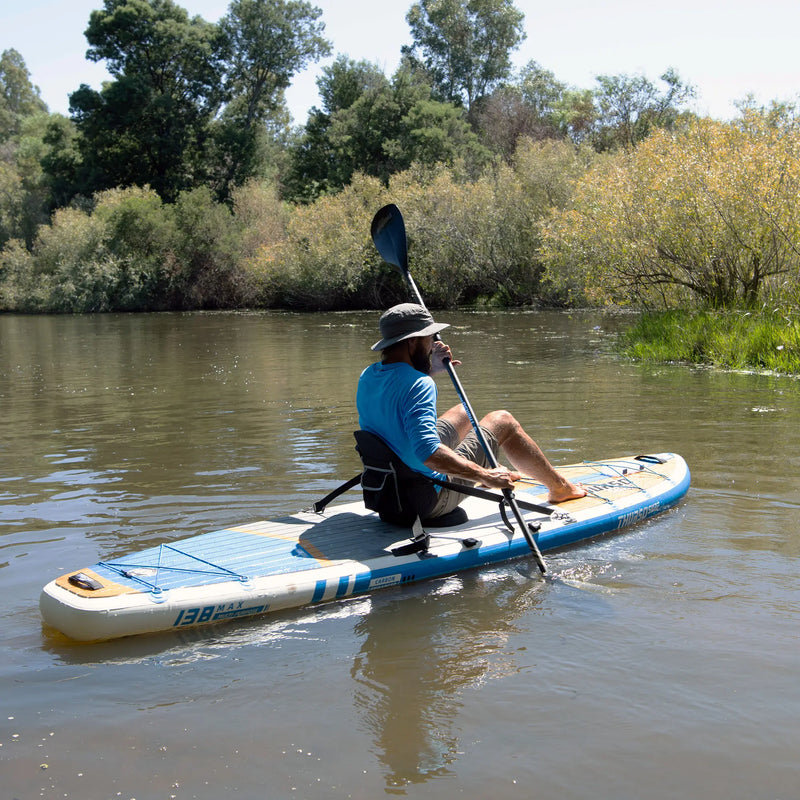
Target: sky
<point x="725" y="49"/>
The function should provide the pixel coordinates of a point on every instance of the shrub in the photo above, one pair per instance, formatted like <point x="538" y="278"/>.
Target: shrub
<point x="75" y="271"/>
<point x="260" y="220"/>
<point x="207" y="272"/>
<point x="708" y="216"/>
<point x="138" y="230"/>
<point x="327" y="260"/>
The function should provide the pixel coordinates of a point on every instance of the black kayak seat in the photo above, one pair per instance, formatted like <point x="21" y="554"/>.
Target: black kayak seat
<point x="397" y="493"/>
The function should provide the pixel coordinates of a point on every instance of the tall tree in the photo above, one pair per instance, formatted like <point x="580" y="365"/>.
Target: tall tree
<point x="265" y="42"/>
<point x="19" y="98"/>
<point x="315" y="166"/>
<point x="629" y="107"/>
<point x="540" y="89"/>
<point x="385" y="127"/>
<point x="344" y="81"/>
<point x="464" y="46"/>
<point x="528" y="108"/>
<point x="23" y="116"/>
<point x="149" y="125"/>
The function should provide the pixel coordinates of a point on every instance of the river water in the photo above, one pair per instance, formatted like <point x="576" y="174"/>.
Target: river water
<point x="661" y="662"/>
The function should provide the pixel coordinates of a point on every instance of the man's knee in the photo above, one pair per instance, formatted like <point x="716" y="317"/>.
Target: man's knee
<point x="501" y="423"/>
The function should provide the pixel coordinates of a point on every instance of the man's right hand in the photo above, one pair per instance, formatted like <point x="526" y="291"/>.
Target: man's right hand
<point x="450" y="463"/>
<point x="500" y="478"/>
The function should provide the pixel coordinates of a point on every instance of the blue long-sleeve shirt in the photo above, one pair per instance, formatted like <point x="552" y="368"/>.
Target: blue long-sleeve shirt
<point x="398" y="403"/>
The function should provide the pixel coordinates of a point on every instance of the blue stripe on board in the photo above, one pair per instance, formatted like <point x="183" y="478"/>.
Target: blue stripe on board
<point x="319" y="591"/>
<point x="362" y="582"/>
<point x="344" y="581"/>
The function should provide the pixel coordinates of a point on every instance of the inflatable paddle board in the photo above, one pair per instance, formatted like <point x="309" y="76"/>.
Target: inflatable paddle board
<point x="310" y="557"/>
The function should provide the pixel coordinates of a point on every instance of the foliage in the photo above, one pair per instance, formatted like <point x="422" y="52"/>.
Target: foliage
<point x="473" y="239"/>
<point x="62" y="162"/>
<point x="738" y="340"/>
<point x="264" y="44"/>
<point x="619" y="113"/>
<point x="69" y="271"/>
<point x="464" y="46"/>
<point x="448" y="226"/>
<point x="469" y="240"/>
<point x="101" y="262"/>
<point x="23" y="188"/>
<point x="148" y="125"/>
<point x="478" y="241"/>
<point x="377" y="127"/>
<point x="630" y="107"/>
<point x="192" y="103"/>
<point x="137" y="233"/>
<point x="525" y="108"/>
<point x="675" y="211"/>
<point x="23" y="115"/>
<point x="260" y="219"/>
<point x="134" y="252"/>
<point x="19" y="98"/>
<point x="204" y="251"/>
<point x="315" y="168"/>
<point x="707" y="216"/>
<point x="327" y="257"/>
<point x="575" y="114"/>
<point x="364" y="136"/>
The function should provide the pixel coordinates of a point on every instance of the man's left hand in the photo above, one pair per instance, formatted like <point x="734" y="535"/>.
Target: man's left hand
<point x="441" y="353"/>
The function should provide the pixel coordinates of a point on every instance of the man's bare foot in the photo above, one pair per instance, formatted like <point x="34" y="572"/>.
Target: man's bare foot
<point x="569" y="491"/>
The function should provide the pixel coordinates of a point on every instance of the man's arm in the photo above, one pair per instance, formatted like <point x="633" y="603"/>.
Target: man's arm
<point x="451" y="463"/>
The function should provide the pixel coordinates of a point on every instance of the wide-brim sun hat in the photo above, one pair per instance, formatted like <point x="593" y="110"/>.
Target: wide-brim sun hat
<point x="406" y="321"/>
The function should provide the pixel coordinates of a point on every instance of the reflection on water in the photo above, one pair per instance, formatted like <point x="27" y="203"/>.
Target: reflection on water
<point x="417" y="656"/>
<point x="668" y="651"/>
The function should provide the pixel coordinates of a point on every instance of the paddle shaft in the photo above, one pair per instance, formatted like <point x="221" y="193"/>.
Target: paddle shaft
<point x="508" y="494"/>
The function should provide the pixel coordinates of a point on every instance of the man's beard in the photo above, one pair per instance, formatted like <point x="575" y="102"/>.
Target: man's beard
<point x="422" y="360"/>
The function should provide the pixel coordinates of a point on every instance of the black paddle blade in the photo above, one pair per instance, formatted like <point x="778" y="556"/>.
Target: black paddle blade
<point x="389" y="235"/>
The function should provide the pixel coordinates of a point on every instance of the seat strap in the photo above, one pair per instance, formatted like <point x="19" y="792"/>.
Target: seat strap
<point x="319" y="506"/>
<point x="471" y="491"/>
<point x="485" y="494"/>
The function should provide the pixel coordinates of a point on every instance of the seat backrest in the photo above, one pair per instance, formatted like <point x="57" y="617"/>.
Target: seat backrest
<point x="396" y="492"/>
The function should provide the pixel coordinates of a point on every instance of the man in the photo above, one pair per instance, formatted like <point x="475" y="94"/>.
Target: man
<point x="396" y="400"/>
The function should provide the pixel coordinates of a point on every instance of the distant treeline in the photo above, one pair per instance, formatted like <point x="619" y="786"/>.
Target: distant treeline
<point x="181" y="185"/>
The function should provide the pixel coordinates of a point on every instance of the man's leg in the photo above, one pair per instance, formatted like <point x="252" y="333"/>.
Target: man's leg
<point x="455" y="431"/>
<point x="457" y="417"/>
<point x="526" y="456"/>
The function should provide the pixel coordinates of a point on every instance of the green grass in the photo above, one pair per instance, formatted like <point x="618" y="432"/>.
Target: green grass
<point x="732" y="340"/>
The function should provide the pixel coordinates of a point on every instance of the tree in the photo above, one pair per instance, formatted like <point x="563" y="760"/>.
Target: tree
<point x="437" y="133"/>
<point x="630" y="107"/>
<point x="388" y="125"/>
<point x="19" y="98"/>
<point x="464" y="46"/>
<point x="344" y="81"/>
<point x="314" y="169"/>
<point x="526" y="108"/>
<point x="149" y="125"/>
<point x="575" y="114"/>
<point x="540" y="90"/>
<point x="62" y="162"/>
<point x="23" y="116"/>
<point x="365" y="137"/>
<point x="265" y="43"/>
